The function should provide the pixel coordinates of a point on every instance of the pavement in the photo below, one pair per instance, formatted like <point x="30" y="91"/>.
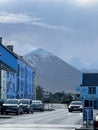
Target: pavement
<point x="84" y="128"/>
<point x="36" y="127"/>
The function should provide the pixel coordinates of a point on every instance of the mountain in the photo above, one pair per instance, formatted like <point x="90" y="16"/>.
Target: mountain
<point x="53" y="74"/>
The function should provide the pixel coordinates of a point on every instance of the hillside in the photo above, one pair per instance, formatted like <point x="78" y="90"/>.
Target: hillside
<point x="53" y="74"/>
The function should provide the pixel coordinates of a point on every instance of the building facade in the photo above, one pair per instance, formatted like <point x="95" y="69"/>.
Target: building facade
<point x="3" y="84"/>
<point x="21" y="84"/>
<point x="89" y="90"/>
<point x="16" y="75"/>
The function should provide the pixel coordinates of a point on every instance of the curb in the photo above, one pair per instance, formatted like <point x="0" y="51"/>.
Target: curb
<point x="84" y="128"/>
<point x="5" y="117"/>
<point x="49" y="109"/>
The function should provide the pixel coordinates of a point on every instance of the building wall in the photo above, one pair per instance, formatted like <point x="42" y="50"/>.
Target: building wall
<point x="3" y="84"/>
<point x="25" y="80"/>
<point x="19" y="81"/>
<point x="89" y="100"/>
<point x="11" y="85"/>
<point x="21" y="84"/>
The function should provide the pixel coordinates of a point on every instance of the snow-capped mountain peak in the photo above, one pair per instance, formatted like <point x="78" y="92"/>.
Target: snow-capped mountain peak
<point x="41" y="52"/>
<point x="53" y="74"/>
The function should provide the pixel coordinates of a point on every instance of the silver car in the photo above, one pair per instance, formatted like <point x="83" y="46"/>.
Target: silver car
<point x="38" y="105"/>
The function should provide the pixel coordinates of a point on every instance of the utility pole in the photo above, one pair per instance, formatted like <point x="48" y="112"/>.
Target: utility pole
<point x="35" y="78"/>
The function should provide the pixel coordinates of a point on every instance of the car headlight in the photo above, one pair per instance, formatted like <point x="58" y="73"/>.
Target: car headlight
<point x="96" y="118"/>
<point x="81" y="106"/>
<point x="69" y="106"/>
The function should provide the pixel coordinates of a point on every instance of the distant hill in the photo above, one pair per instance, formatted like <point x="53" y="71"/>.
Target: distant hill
<point x="53" y="74"/>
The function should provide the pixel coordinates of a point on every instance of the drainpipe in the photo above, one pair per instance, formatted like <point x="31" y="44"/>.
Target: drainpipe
<point x="0" y="80"/>
<point x="0" y="67"/>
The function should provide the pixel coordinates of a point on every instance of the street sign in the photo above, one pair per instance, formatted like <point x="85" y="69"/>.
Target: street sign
<point x="88" y="114"/>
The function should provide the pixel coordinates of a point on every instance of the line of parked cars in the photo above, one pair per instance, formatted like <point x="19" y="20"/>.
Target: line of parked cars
<point x="20" y="106"/>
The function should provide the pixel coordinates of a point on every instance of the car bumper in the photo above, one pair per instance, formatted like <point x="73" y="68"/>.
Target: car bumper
<point x="26" y="109"/>
<point x="75" y="109"/>
<point x="95" y="124"/>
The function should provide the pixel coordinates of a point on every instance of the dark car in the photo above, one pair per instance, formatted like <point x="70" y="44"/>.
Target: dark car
<point x="75" y="106"/>
<point x="95" y="122"/>
<point x="1" y="104"/>
<point x="38" y="105"/>
<point x="27" y="105"/>
<point x="12" y="106"/>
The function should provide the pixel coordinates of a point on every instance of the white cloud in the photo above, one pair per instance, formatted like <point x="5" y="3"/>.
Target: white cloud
<point x="18" y="49"/>
<point x="2" y="1"/>
<point x="16" y="18"/>
<point x="84" y="2"/>
<point x="11" y="18"/>
<point x="82" y="64"/>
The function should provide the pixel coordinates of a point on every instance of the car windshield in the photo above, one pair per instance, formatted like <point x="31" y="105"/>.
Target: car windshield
<point x="36" y="102"/>
<point x="76" y="103"/>
<point x="24" y="101"/>
<point x="11" y="102"/>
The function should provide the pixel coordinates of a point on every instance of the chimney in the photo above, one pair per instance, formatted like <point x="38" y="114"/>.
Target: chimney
<point x="0" y="40"/>
<point x="10" y="47"/>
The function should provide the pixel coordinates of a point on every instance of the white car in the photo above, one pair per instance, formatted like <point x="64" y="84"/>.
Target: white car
<point x="75" y="106"/>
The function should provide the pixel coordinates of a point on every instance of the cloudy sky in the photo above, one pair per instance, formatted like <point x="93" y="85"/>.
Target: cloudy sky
<point x="66" y="28"/>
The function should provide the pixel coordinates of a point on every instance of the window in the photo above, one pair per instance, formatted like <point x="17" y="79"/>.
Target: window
<point x="91" y="90"/>
<point x="18" y="69"/>
<point x="22" y="72"/>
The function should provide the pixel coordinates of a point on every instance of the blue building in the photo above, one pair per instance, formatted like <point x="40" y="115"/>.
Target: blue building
<point x="21" y="84"/>
<point x="8" y="63"/>
<point x="19" y="74"/>
<point x="89" y="90"/>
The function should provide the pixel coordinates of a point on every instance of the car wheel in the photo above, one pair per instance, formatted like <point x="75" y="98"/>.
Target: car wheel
<point x="22" y="112"/>
<point x="6" y="113"/>
<point x="70" y="110"/>
<point x="28" y="112"/>
<point x="31" y="111"/>
<point x="1" y="112"/>
<point x="18" y="112"/>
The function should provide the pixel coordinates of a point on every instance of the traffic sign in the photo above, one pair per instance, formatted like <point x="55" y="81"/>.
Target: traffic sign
<point x="88" y="114"/>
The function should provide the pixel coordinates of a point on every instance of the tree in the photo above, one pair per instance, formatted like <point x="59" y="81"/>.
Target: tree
<point x="39" y="93"/>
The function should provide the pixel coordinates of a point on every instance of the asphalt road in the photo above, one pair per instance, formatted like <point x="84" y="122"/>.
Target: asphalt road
<point x="58" y="119"/>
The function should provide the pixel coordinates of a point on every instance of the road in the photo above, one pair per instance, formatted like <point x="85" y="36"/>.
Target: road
<point x="58" y="119"/>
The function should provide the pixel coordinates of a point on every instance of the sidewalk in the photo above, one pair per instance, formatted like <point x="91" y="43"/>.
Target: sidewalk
<point x="90" y="127"/>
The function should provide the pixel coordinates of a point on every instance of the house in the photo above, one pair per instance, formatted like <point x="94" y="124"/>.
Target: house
<point x="16" y="75"/>
<point x="8" y="63"/>
<point x="89" y="90"/>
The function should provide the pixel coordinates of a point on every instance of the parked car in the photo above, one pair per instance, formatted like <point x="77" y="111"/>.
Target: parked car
<point x="1" y="104"/>
<point x="95" y="122"/>
<point x="75" y="106"/>
<point x="12" y="106"/>
<point x="38" y="105"/>
<point x="27" y="105"/>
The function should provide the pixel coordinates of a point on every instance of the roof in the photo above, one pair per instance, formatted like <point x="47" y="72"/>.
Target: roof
<point x="17" y="56"/>
<point x="89" y="79"/>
